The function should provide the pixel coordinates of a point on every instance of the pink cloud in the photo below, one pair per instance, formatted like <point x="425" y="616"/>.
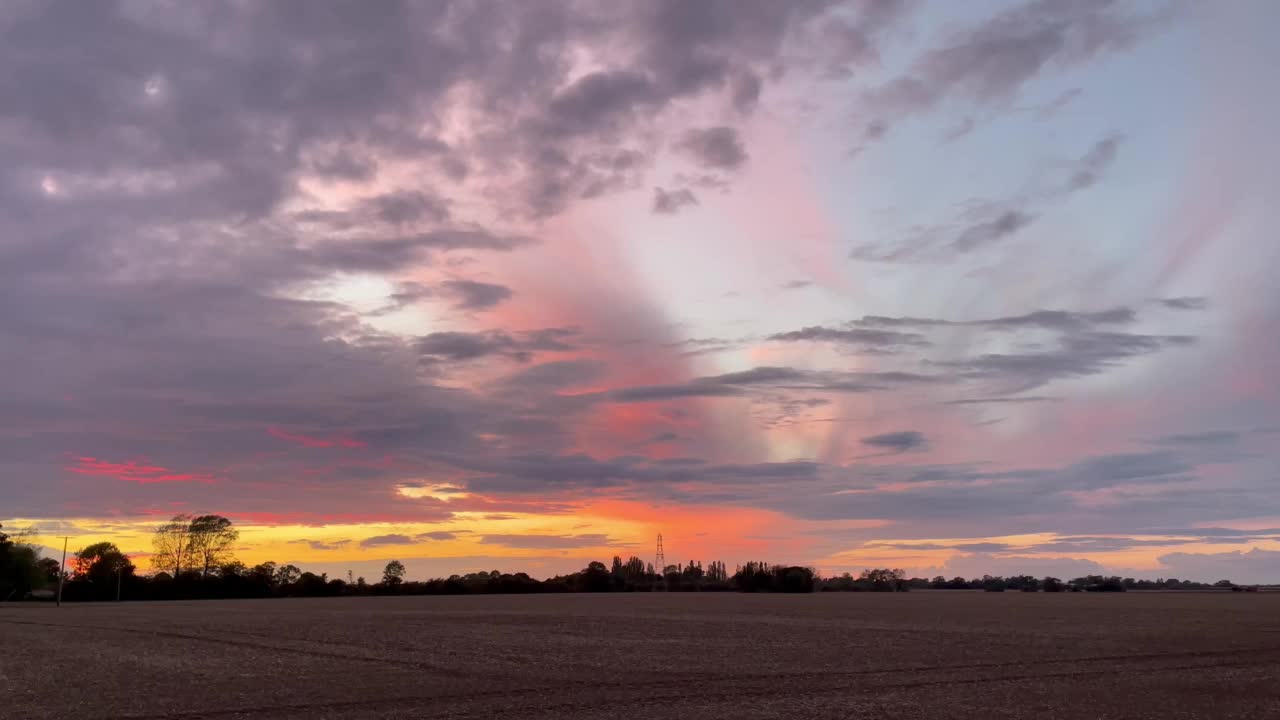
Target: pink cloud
<point x="139" y="471"/>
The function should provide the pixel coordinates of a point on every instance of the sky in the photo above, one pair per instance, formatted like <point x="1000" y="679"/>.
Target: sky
<point x="958" y="288"/>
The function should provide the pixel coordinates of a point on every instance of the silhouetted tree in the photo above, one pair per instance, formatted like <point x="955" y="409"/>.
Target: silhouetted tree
<point x="171" y="546"/>
<point x="883" y="580"/>
<point x="210" y="539"/>
<point x="100" y="569"/>
<point x="393" y="573"/>
<point x="20" y="571"/>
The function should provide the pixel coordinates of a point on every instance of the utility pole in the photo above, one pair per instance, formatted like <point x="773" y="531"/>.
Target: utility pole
<point x="660" y="563"/>
<point x="62" y="569"/>
<point x="119" y="572"/>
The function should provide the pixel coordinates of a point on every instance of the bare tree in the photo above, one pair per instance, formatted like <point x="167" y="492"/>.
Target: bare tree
<point x="172" y="545"/>
<point x="210" y="540"/>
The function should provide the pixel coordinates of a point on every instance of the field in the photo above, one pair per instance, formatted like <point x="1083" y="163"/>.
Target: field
<point x="916" y="655"/>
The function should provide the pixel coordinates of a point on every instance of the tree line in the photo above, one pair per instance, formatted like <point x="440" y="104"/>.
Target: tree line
<point x="193" y="558"/>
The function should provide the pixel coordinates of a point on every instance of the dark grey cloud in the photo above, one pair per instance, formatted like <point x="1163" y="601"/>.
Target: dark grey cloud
<point x="1211" y="532"/>
<point x="382" y="540"/>
<point x="1082" y="345"/>
<point x="461" y="346"/>
<point x="1041" y="319"/>
<point x="1094" y="163"/>
<point x="1185" y="303"/>
<point x="867" y="339"/>
<point x="475" y="295"/>
<point x="797" y="284"/>
<point x="436" y="535"/>
<point x="1077" y="355"/>
<point x="581" y="473"/>
<point x="555" y="374"/>
<point x="902" y="441"/>
<point x="599" y="100"/>
<point x="776" y="378"/>
<point x="1122" y="468"/>
<point x="407" y="206"/>
<point x="391" y="254"/>
<point x="979" y="547"/>
<point x="323" y="544"/>
<point x="746" y="91"/>
<point x="716" y="148"/>
<point x="546" y="542"/>
<point x="959" y="130"/>
<point x="990" y="62"/>
<point x="670" y="202"/>
<point x="984" y="233"/>
<point x="989" y="222"/>
<point x="1003" y="400"/>
<point x="1051" y="108"/>
<point x="1210" y="437"/>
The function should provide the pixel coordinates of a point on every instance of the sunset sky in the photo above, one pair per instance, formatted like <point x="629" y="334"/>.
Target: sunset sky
<point x="956" y="287"/>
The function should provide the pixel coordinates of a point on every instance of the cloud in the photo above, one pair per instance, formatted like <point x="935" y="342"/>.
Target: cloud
<point x="1051" y="108"/>
<point x="546" y="542"/>
<point x="903" y="441"/>
<point x="137" y="471"/>
<point x="323" y="545"/>
<point x="1094" y="163"/>
<point x="797" y="284"/>
<point x="984" y="233"/>
<point x="474" y="295"/>
<point x="990" y="62"/>
<point x="435" y="535"/>
<point x="746" y="91"/>
<point x="715" y="148"/>
<point x="743" y="382"/>
<point x="988" y="222"/>
<point x="1211" y="437"/>
<point x="381" y="540"/>
<point x="462" y="346"/>
<point x="542" y="472"/>
<point x="1041" y="319"/>
<point x="407" y="206"/>
<point x="979" y="564"/>
<point x="866" y="339"/>
<point x="197" y="204"/>
<point x="670" y="202"/>
<point x="315" y="442"/>
<point x="1002" y="400"/>
<point x="1077" y="355"/>
<point x="1185" y="303"/>
<point x="1253" y="566"/>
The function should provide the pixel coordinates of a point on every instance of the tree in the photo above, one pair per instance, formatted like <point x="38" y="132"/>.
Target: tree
<point x="101" y="563"/>
<point x="20" y="570"/>
<point x="48" y="570"/>
<point x="171" y="545"/>
<point x="883" y="579"/>
<point x="287" y="575"/>
<point x="210" y="539"/>
<point x="393" y="573"/>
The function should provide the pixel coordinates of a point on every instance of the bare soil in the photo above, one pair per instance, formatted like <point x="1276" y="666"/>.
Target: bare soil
<point x="914" y="655"/>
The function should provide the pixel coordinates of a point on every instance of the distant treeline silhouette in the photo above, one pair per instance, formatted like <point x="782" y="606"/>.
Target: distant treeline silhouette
<point x="194" y="560"/>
